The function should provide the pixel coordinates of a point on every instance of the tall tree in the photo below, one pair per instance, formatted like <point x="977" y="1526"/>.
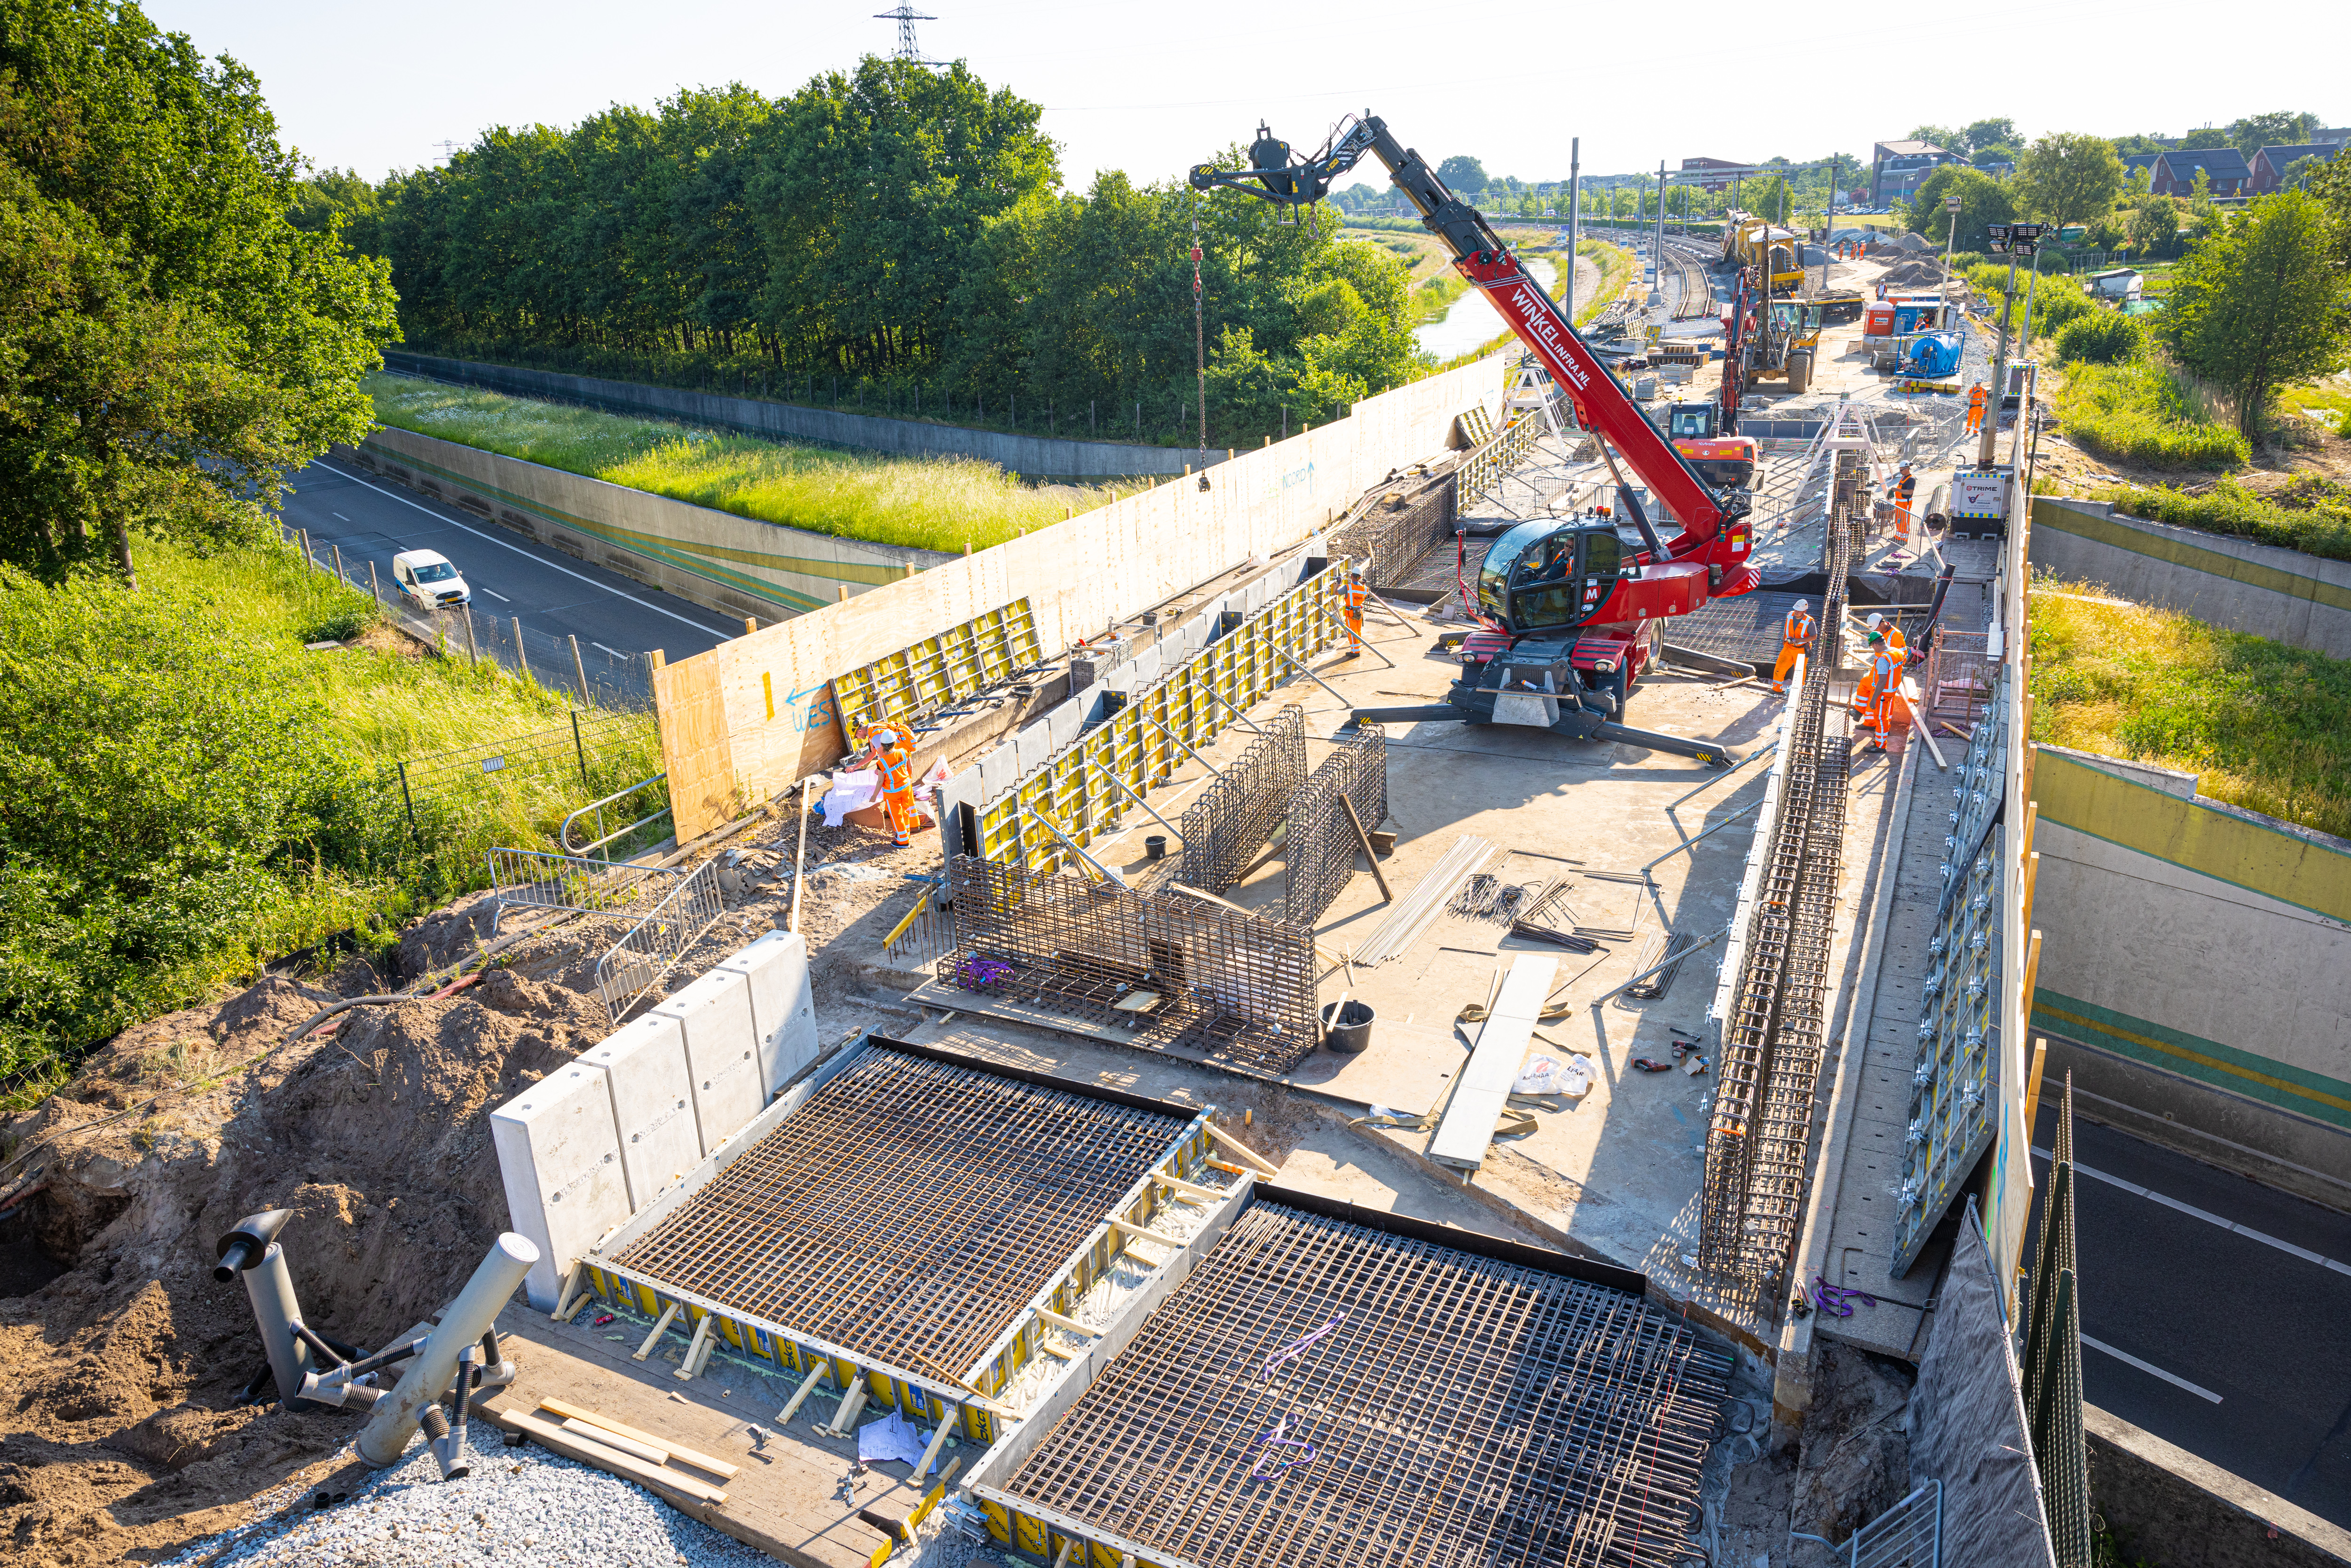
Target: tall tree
<point x="2281" y="128"/>
<point x="1983" y="200"/>
<point x="2205" y="136"/>
<point x="2329" y="185"/>
<point x="170" y="343"/>
<point x="2259" y="305"/>
<point x="1988" y="134"/>
<point x="2067" y="178"/>
<point x="1462" y="174"/>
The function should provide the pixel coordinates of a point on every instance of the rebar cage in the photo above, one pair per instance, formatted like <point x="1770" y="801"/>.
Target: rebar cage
<point x="1236" y="814"/>
<point x="1408" y="519"/>
<point x="1320" y="849"/>
<point x="1321" y="1393"/>
<point x="905" y="1224"/>
<point x="1177" y="970"/>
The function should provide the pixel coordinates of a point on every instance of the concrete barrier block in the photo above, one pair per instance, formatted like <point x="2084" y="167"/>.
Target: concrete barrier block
<point x="722" y="1052"/>
<point x="997" y="770"/>
<point x="560" y="1157"/>
<point x="1032" y="746"/>
<point x="1065" y="721"/>
<point x="1145" y="666"/>
<point x="783" y="1008"/>
<point x="643" y="1063"/>
<point x="967" y="788"/>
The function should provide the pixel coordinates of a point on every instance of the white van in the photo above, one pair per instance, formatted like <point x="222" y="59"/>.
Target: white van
<point x="426" y="579"/>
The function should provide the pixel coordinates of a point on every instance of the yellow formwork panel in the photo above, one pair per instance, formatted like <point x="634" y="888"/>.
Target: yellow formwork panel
<point x="937" y="670"/>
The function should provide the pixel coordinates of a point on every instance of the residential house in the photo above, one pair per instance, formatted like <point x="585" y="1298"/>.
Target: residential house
<point x="1713" y="175"/>
<point x="2226" y="172"/>
<point x="1896" y="169"/>
<point x="2146" y="161"/>
<point x="2270" y="164"/>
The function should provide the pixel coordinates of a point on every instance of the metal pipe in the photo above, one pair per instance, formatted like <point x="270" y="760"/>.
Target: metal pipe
<point x="1763" y="750"/>
<point x="387" y="1429"/>
<point x="270" y="1287"/>
<point x="1693" y="843"/>
<point x="1112" y="774"/>
<point x="1670" y="959"/>
<point x="1219" y="696"/>
<point x="1107" y="874"/>
<point x="799" y="860"/>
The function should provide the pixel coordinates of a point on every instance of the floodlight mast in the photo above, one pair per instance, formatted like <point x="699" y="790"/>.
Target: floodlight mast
<point x="1708" y="547"/>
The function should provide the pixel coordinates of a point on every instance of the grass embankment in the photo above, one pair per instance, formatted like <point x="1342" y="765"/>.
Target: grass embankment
<point x="2264" y="725"/>
<point x="186" y="793"/>
<point x="2310" y="514"/>
<point x="942" y="504"/>
<point x="2143" y="411"/>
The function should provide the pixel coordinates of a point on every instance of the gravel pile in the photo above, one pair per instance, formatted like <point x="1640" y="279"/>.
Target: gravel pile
<point x="519" y="1506"/>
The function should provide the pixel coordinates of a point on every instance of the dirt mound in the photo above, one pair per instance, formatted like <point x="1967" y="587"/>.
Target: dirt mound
<point x="1914" y="275"/>
<point x="122" y="1438"/>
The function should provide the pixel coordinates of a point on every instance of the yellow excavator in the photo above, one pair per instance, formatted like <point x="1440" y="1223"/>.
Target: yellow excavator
<point x="1766" y="252"/>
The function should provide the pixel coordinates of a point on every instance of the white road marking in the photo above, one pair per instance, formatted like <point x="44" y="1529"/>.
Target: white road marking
<point x="2247" y="1231"/>
<point x="2152" y="1369"/>
<point x="550" y="566"/>
<point x="493" y="594"/>
<point x="614" y="652"/>
<point x="338" y="516"/>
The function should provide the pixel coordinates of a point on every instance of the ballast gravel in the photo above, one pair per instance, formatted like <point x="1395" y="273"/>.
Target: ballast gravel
<point x="518" y="1506"/>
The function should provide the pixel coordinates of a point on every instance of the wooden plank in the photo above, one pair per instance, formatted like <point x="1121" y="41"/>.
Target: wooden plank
<point x="575" y="1446"/>
<point x="780" y="1499"/>
<point x="1484" y="1089"/>
<point x="597" y="1418"/>
<point x="696" y="748"/>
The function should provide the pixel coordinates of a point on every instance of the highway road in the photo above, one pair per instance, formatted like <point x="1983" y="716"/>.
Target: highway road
<point x="2213" y="1310"/>
<point x="552" y="593"/>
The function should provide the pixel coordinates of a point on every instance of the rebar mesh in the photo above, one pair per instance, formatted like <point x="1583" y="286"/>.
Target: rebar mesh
<point x="1455" y="1410"/>
<point x="1758" y="1151"/>
<point x="1319" y="851"/>
<point x="1228" y="827"/>
<point x="1408" y="520"/>
<point x="1239" y="987"/>
<point x="909" y="1210"/>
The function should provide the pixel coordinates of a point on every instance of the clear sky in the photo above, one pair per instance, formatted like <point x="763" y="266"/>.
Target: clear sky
<point x="1152" y="89"/>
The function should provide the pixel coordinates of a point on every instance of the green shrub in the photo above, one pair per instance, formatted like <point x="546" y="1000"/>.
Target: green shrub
<point x="2138" y="410"/>
<point x="2312" y="516"/>
<point x="2101" y="338"/>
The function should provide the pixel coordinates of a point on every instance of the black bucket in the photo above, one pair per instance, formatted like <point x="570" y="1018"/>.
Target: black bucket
<point x="1156" y="847"/>
<point x="1352" y="1031"/>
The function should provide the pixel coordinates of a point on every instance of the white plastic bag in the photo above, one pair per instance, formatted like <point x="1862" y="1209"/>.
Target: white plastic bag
<point x="1546" y="1075"/>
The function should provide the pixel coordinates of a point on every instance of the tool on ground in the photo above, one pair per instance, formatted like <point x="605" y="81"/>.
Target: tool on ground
<point x="1837" y="1300"/>
<point x="1645" y="1065"/>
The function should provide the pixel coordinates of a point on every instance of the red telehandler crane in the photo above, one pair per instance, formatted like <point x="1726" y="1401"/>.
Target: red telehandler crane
<point x="1573" y="610"/>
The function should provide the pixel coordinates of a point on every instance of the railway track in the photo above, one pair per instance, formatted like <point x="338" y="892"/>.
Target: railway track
<point x="1694" y="290"/>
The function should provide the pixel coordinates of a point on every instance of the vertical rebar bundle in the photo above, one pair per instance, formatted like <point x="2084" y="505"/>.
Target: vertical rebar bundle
<point x="1409" y="520"/>
<point x="1319" y="851"/>
<point x="1228" y="827"/>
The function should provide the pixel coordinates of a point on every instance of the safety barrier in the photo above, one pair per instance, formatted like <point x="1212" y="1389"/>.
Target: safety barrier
<point x="632" y="965"/>
<point x="536" y="879"/>
<point x="2052" y="1357"/>
<point x="1150" y="731"/>
<point x="1485" y="468"/>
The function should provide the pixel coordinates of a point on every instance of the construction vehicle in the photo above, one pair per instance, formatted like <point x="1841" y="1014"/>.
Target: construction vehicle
<point x="1784" y="343"/>
<point x="1571" y="611"/>
<point x="1765" y="251"/>
<point x="1724" y="460"/>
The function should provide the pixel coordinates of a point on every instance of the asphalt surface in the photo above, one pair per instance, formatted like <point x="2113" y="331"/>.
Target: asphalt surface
<point x="2246" y="1361"/>
<point x="552" y="592"/>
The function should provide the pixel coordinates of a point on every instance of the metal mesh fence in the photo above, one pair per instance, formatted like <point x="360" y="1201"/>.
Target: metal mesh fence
<point x="1907" y="1535"/>
<point x="2052" y="1358"/>
<point x="1174" y="969"/>
<point x="646" y="952"/>
<point x="534" y="879"/>
<point x="595" y="675"/>
<point x="1235" y="815"/>
<point x="1319" y="853"/>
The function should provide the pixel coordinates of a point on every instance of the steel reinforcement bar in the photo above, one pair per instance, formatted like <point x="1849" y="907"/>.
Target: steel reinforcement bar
<point x="1237" y="814"/>
<point x="1319" y="851"/>
<point x="1758" y="1149"/>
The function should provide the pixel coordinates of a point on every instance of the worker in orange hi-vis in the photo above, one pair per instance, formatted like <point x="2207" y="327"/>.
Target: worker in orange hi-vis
<point x="892" y="749"/>
<point x="1352" y="611"/>
<point x="1795" y="639"/>
<point x="1886" y="674"/>
<point x="1879" y="626"/>
<point x="1905" y="485"/>
<point x="1976" y="397"/>
<point x="1865" y="695"/>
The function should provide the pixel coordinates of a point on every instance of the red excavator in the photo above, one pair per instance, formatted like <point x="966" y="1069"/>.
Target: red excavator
<point x="1572" y="610"/>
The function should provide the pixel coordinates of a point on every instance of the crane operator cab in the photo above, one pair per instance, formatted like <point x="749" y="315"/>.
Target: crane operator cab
<point x="1551" y="577"/>
<point x="1548" y="586"/>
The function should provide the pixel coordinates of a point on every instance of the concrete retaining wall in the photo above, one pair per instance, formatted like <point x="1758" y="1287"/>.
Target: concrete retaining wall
<point x="1036" y="455"/>
<point x="2196" y="970"/>
<point x="2246" y="587"/>
<point x="751" y="718"/>
<point x="2174" y="1510"/>
<point x="738" y="565"/>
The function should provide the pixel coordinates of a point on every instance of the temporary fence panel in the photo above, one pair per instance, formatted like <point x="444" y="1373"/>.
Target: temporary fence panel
<point x="1237" y="813"/>
<point x="534" y="879"/>
<point x="1319" y="850"/>
<point x="914" y="683"/>
<point x="1907" y="1535"/>
<point x="1954" y="1090"/>
<point x="674" y="922"/>
<point x="1143" y="740"/>
<point x="2052" y="1358"/>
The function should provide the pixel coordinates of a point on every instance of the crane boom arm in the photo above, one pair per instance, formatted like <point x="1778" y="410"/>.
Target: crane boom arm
<point x="1602" y="404"/>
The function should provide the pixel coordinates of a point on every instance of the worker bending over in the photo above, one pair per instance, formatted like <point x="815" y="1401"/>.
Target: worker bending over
<point x="891" y="751"/>
<point x="1795" y="641"/>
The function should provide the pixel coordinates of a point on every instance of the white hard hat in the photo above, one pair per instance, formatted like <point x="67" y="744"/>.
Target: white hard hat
<point x="1803" y="604"/>
<point x="1875" y="620"/>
